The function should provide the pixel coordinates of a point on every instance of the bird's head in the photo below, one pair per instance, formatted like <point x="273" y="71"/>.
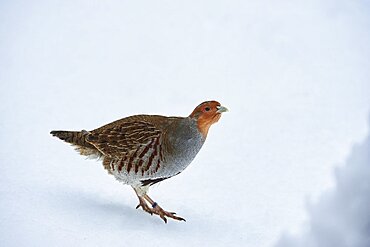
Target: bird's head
<point x="206" y="114"/>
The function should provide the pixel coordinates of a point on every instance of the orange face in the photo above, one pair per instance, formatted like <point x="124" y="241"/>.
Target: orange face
<point x="207" y="113"/>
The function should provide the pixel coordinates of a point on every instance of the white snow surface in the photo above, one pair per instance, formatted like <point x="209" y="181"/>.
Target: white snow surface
<point x="341" y="217"/>
<point x="295" y="76"/>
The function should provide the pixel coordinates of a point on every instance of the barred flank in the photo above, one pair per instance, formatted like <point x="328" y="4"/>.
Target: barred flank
<point x="73" y="137"/>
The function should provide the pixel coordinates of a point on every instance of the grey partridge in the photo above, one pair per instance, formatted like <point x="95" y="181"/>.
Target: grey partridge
<point x="142" y="150"/>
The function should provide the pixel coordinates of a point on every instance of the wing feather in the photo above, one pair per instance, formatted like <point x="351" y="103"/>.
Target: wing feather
<point x="125" y="136"/>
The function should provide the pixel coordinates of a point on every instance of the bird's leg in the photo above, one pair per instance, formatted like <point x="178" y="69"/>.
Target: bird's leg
<point x="142" y="203"/>
<point x="159" y="211"/>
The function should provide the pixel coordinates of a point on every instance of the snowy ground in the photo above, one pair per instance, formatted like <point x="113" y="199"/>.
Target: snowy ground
<point x="295" y="77"/>
<point x="341" y="217"/>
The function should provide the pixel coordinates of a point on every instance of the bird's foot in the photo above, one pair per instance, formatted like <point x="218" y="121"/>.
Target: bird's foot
<point x="163" y="214"/>
<point x="156" y="209"/>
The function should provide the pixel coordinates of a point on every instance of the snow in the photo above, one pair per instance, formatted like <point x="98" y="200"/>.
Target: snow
<point x="341" y="217"/>
<point x="294" y="76"/>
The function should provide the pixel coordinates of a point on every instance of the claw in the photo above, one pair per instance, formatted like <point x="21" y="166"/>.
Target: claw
<point x="164" y="219"/>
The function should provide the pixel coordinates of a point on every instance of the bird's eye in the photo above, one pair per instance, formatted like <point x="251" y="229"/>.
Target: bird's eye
<point x="207" y="109"/>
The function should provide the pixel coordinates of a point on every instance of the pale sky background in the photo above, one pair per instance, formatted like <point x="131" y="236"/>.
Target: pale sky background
<point x="295" y="76"/>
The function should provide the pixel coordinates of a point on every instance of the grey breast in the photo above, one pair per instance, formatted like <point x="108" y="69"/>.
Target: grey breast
<point x="183" y="142"/>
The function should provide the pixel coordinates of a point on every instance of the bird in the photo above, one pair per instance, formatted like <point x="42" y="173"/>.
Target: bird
<point x="142" y="150"/>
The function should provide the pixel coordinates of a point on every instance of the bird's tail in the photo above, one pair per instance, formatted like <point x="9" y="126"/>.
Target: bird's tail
<point x="73" y="137"/>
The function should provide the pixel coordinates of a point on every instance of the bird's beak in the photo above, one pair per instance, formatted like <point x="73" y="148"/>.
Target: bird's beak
<point x="221" y="109"/>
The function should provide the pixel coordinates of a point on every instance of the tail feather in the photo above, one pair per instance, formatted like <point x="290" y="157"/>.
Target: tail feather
<point x="73" y="137"/>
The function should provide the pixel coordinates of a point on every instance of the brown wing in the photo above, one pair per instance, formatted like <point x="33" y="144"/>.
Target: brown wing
<point x="127" y="135"/>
